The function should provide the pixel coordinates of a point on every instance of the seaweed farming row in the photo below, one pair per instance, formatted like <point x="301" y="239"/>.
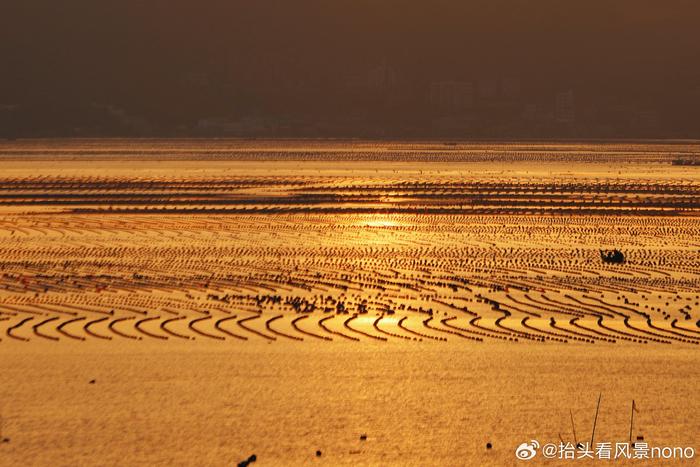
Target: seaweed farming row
<point x="355" y="195"/>
<point x="354" y="277"/>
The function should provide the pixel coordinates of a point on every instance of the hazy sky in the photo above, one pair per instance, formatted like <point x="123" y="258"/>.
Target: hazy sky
<point x="277" y="55"/>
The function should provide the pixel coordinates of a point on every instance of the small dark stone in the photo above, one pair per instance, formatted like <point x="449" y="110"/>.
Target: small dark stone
<point x="92" y="381"/>
<point x="640" y="438"/>
<point x="489" y="445"/>
<point x="6" y="440"/>
<point x="363" y="437"/>
<point x="252" y="458"/>
<point x="318" y="453"/>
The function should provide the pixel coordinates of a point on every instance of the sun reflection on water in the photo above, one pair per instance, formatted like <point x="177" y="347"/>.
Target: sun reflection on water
<point x="378" y="220"/>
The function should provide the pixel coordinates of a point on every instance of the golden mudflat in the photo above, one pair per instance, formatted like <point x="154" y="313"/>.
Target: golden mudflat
<point x="279" y="298"/>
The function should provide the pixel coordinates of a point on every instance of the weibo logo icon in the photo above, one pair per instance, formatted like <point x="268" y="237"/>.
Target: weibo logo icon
<point x="527" y="451"/>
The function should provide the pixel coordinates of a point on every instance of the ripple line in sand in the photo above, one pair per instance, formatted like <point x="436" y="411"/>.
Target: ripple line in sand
<point x="3" y="319"/>
<point x="604" y="336"/>
<point x="655" y="337"/>
<point x="14" y="327"/>
<point x="202" y="333"/>
<point x="679" y="336"/>
<point x="147" y="333"/>
<point x="268" y="325"/>
<point x="347" y="322"/>
<point x="622" y="334"/>
<point x="42" y="335"/>
<point x="419" y="335"/>
<point x="171" y="332"/>
<point x="87" y="329"/>
<point x="591" y="308"/>
<point x="256" y="332"/>
<point x="295" y="325"/>
<point x="218" y="325"/>
<point x="549" y="334"/>
<point x="453" y="332"/>
<point x="375" y="324"/>
<point x="674" y="325"/>
<point x="60" y="329"/>
<point x="321" y="323"/>
<point x="506" y="335"/>
<point x="112" y="327"/>
<point x="446" y="322"/>
<point x="613" y="305"/>
<point x="553" y="324"/>
<point x="525" y="335"/>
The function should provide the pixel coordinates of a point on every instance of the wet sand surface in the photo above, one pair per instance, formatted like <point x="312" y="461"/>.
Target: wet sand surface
<point x="279" y="298"/>
<point x="418" y="403"/>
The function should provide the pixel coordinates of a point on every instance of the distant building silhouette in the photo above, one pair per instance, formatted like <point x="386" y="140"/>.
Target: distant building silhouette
<point x="451" y="96"/>
<point x="378" y="78"/>
<point x="564" y="107"/>
<point x="382" y="76"/>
